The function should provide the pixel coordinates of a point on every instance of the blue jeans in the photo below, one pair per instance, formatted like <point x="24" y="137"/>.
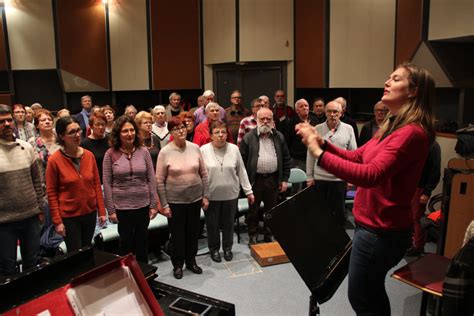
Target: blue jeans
<point x="27" y="231"/>
<point x="373" y="255"/>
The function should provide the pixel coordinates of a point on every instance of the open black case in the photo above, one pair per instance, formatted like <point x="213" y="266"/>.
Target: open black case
<point x="316" y="245"/>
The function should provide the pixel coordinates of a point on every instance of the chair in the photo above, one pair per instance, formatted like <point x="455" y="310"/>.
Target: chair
<point x="297" y="178"/>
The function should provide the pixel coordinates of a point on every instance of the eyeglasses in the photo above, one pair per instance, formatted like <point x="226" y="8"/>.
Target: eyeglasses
<point x="99" y="124"/>
<point x="8" y="120"/>
<point x="178" y="129"/>
<point x="74" y="132"/>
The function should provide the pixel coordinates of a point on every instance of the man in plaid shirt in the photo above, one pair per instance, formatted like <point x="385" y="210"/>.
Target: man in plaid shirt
<point x="250" y="122"/>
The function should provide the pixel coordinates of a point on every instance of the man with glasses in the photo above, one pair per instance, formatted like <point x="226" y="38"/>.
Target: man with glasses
<point x="268" y="163"/>
<point x="21" y="198"/>
<point x="371" y="127"/>
<point x="346" y="118"/>
<point x="328" y="187"/>
<point x="235" y="113"/>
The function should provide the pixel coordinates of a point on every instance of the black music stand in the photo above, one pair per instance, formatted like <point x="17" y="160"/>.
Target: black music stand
<point x="317" y="246"/>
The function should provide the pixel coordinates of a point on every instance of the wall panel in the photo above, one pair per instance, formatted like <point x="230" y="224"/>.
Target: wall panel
<point x="129" y="45"/>
<point x="309" y="43"/>
<point x="424" y="58"/>
<point x="219" y="31"/>
<point x="30" y="34"/>
<point x="361" y="48"/>
<point x="453" y="18"/>
<point x="3" y="51"/>
<point x="266" y="30"/>
<point x="175" y="44"/>
<point x="82" y="44"/>
<point x="408" y="29"/>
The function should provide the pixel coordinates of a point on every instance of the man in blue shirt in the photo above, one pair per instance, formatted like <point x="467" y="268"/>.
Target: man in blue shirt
<point x="83" y="116"/>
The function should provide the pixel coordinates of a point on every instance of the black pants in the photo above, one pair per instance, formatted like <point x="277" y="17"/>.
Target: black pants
<point x="334" y="193"/>
<point x="27" y="231"/>
<point x="79" y="231"/>
<point x="264" y="189"/>
<point x="133" y="231"/>
<point x="220" y="215"/>
<point x="184" y="228"/>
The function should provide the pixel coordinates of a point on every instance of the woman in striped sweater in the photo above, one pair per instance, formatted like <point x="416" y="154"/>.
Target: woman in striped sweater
<point x="130" y="187"/>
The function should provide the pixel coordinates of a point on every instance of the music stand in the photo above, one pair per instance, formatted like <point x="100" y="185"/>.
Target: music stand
<point x="317" y="246"/>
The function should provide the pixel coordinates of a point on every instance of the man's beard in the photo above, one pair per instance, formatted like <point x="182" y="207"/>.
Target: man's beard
<point x="264" y="129"/>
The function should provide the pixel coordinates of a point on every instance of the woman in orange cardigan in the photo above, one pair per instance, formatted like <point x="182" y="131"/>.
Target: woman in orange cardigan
<point x="73" y="187"/>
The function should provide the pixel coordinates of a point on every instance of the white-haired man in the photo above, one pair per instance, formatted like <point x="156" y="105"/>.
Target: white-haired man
<point x="268" y="163"/>
<point x="327" y="186"/>
<point x="160" y="125"/>
<point x="297" y="149"/>
<point x="346" y="118"/>
<point x="174" y="108"/>
<point x="200" y="114"/>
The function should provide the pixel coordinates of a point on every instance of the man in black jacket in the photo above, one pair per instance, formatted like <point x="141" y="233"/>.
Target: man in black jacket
<point x="268" y="163"/>
<point x="371" y="127"/>
<point x="297" y="149"/>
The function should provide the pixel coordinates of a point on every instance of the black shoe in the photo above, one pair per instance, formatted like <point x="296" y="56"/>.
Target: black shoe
<point x="178" y="273"/>
<point x="228" y="255"/>
<point x="215" y="256"/>
<point x="252" y="240"/>
<point x="268" y="238"/>
<point x="194" y="268"/>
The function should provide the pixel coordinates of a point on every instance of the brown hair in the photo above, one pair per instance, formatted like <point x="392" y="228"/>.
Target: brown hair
<point x="187" y="114"/>
<point x="217" y="124"/>
<point x="42" y="112"/>
<point x="419" y="109"/>
<point x="97" y="116"/>
<point x="114" y="139"/>
<point x="174" y="122"/>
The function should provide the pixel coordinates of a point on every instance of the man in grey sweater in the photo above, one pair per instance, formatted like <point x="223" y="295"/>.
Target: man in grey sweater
<point x="21" y="198"/>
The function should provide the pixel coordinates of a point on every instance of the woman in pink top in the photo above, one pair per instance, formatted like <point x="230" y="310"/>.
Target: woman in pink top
<point x="183" y="188"/>
<point x="386" y="171"/>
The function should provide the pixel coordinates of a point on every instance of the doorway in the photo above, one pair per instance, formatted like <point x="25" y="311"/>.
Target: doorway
<point x="252" y="79"/>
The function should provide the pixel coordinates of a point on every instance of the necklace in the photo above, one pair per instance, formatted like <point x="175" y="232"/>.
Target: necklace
<point x="219" y="155"/>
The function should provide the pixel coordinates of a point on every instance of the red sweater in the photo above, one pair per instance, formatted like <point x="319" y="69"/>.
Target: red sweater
<point x="202" y="135"/>
<point x="72" y="193"/>
<point x="386" y="173"/>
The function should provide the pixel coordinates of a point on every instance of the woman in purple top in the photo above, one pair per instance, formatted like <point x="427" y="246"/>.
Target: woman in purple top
<point x="130" y="187"/>
<point x="183" y="189"/>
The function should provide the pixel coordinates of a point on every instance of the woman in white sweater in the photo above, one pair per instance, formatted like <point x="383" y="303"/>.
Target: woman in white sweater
<point x="226" y="174"/>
